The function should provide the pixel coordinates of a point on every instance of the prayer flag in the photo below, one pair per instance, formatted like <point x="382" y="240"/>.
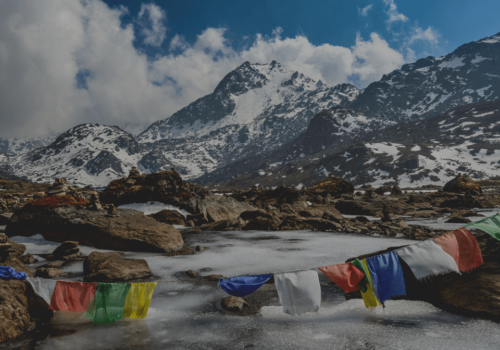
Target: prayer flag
<point x="72" y="296"/>
<point x="346" y="276"/>
<point x="463" y="247"/>
<point x="138" y="300"/>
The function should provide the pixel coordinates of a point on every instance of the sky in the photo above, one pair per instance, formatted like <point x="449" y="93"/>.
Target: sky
<point x="130" y="63"/>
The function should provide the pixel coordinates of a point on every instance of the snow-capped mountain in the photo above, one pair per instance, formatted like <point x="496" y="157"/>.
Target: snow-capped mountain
<point x="254" y="109"/>
<point x="431" y="151"/>
<point x="24" y="145"/>
<point x="431" y="85"/>
<point x="88" y="154"/>
<point x="332" y="128"/>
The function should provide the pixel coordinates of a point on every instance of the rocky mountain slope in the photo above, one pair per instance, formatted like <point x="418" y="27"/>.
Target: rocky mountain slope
<point x="432" y="85"/>
<point x="254" y="109"/>
<point x="88" y="154"/>
<point x="261" y="116"/>
<point x="24" y="145"/>
<point x="431" y="151"/>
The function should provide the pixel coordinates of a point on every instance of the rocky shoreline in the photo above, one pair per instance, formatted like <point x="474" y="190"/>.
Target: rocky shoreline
<point x="74" y="216"/>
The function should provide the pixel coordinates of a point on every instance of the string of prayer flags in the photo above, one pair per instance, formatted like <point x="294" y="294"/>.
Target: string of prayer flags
<point x="72" y="296"/>
<point x="346" y="276"/>
<point x="108" y="302"/>
<point x="243" y="285"/>
<point x="427" y="259"/>
<point x="463" y="247"/>
<point x="138" y="300"/>
<point x="42" y="287"/>
<point x="387" y="275"/>
<point x="299" y="291"/>
<point x="368" y="296"/>
<point x="365" y="280"/>
<point x="490" y="225"/>
<point x="7" y="273"/>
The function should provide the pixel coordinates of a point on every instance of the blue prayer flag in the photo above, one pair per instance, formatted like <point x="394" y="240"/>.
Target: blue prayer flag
<point x="387" y="275"/>
<point x="243" y="285"/>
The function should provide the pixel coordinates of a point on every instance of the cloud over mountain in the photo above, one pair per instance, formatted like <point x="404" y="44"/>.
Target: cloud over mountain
<point x="66" y="62"/>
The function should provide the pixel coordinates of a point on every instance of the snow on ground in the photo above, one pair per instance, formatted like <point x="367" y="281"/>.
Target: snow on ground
<point x="153" y="207"/>
<point x="184" y="315"/>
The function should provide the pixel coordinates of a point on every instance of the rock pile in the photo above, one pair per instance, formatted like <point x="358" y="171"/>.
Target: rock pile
<point x="67" y="251"/>
<point x="59" y="188"/>
<point x="95" y="204"/>
<point x="463" y="184"/>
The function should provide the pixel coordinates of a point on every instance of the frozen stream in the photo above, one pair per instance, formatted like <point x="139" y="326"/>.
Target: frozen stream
<point x="184" y="315"/>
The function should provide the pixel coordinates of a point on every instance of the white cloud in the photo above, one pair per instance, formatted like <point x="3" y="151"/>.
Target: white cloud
<point x="44" y="46"/>
<point x="152" y="18"/>
<point x="364" y="11"/>
<point x="392" y="12"/>
<point x="429" y="35"/>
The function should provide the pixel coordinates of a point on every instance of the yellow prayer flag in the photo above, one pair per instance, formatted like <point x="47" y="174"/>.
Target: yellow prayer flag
<point x="369" y="298"/>
<point x="138" y="300"/>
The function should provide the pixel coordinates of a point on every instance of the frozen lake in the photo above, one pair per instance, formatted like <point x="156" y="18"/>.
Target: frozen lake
<point x="185" y="315"/>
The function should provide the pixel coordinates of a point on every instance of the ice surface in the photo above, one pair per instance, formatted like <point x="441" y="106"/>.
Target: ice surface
<point x="184" y="315"/>
<point x="152" y="207"/>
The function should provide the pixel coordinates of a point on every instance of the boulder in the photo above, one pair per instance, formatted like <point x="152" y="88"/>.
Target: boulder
<point x="20" y="309"/>
<point x="182" y="251"/>
<point x="458" y="220"/>
<point x="260" y="224"/>
<point x="383" y="189"/>
<point x="66" y="251"/>
<point x="172" y="217"/>
<point x="322" y="225"/>
<point x="474" y="294"/>
<point x="101" y="267"/>
<point x="222" y="225"/>
<point x="49" y="272"/>
<point x="168" y="187"/>
<point x="5" y="218"/>
<point x="371" y="208"/>
<point x="130" y="231"/>
<point x="332" y="185"/>
<point x="462" y="184"/>
<point x="238" y="306"/>
<point x="253" y="214"/>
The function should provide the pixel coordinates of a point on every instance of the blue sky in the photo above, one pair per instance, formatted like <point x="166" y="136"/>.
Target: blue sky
<point x="131" y="63"/>
<point x="329" y="21"/>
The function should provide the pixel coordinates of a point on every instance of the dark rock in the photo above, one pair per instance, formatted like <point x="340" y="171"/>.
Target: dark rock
<point x="334" y="186"/>
<point x="28" y="259"/>
<point x="49" y="272"/>
<point x="238" y="306"/>
<point x="182" y="251"/>
<point x="222" y="225"/>
<point x="131" y="231"/>
<point x="250" y="215"/>
<point x="474" y="294"/>
<point x="100" y="267"/>
<point x="192" y="274"/>
<point x="260" y="224"/>
<point x="5" y="218"/>
<point x="458" y="220"/>
<point x="213" y="278"/>
<point x="461" y="184"/>
<point x="172" y="217"/>
<point x="199" y="248"/>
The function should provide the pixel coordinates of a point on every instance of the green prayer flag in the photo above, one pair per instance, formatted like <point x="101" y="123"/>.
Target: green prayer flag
<point x="490" y="225"/>
<point x="108" y="302"/>
<point x="362" y="284"/>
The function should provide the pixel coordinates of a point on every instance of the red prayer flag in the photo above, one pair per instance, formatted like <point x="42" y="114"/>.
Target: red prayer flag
<point x="463" y="247"/>
<point x="72" y="296"/>
<point x="346" y="276"/>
